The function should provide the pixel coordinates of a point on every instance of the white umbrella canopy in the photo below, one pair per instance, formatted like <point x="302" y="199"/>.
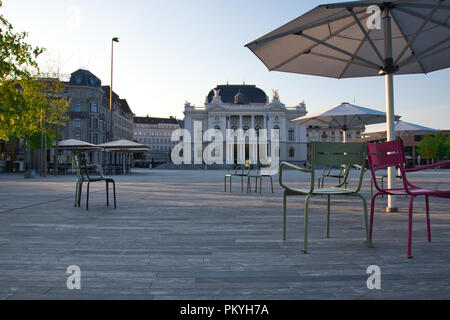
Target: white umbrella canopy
<point x="344" y="116"/>
<point x="341" y="40"/>
<point x="77" y="145"/>
<point x="124" y="146"/>
<point x="401" y="128"/>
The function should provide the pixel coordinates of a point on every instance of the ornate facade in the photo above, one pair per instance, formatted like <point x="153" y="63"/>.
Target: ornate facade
<point x="245" y="107"/>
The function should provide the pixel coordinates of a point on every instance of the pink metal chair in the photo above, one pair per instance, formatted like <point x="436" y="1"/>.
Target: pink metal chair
<point x="390" y="154"/>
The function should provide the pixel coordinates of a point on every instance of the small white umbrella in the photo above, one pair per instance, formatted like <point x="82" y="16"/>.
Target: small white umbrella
<point x="402" y="128"/>
<point x="344" y="116"/>
<point x="125" y="146"/>
<point x="77" y="145"/>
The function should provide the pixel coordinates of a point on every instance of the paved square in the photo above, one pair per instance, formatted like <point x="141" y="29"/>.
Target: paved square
<point x="177" y="235"/>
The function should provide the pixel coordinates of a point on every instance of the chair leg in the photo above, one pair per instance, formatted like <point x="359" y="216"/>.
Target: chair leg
<point x="366" y="221"/>
<point x="242" y="184"/>
<point x="114" y="191"/>
<point x="271" y="183"/>
<point x="87" y="196"/>
<point x="260" y="185"/>
<point x="107" y="193"/>
<point x="328" y="216"/>
<point x="248" y="185"/>
<point x="372" y="212"/>
<point x="79" y="193"/>
<point x="284" y="215"/>
<point x="77" y="187"/>
<point x="305" y="240"/>
<point x="410" y="217"/>
<point x="427" y="206"/>
<point x="225" y="184"/>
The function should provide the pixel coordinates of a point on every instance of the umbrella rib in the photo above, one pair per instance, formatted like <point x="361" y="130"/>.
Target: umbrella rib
<point x="421" y="5"/>
<point x="410" y="46"/>
<point x="366" y="36"/>
<point x="296" y="30"/>
<point x="419" y="30"/>
<point x="339" y="59"/>
<point x="307" y="50"/>
<point x="375" y="66"/>
<point x="417" y="15"/>
<point x="407" y="60"/>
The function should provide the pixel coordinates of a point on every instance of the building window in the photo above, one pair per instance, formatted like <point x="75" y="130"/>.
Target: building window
<point x="94" y="107"/>
<point x="77" y="123"/>
<point x="77" y="136"/>
<point x="217" y="127"/>
<point x="95" y="123"/>
<point x="77" y="107"/>
<point x="291" y="153"/>
<point x="94" y="138"/>
<point x="291" y="134"/>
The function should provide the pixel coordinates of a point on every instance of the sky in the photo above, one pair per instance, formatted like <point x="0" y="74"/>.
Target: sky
<point x="173" y="51"/>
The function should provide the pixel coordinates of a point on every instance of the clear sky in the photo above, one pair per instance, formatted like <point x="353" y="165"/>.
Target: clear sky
<point x="172" y="51"/>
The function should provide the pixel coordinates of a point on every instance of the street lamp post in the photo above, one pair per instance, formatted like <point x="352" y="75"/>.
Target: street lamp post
<point x="115" y="39"/>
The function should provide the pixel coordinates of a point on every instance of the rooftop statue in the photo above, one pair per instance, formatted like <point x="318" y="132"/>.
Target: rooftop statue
<point x="216" y="97"/>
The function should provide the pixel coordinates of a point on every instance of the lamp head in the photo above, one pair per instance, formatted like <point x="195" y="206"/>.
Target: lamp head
<point x="115" y="39"/>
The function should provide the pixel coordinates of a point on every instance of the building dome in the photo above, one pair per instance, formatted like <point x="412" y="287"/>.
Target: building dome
<point x="238" y="94"/>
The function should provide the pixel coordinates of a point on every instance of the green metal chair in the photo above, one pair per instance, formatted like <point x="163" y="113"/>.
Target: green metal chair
<point x="352" y="155"/>
<point x="82" y="170"/>
<point x="258" y="174"/>
<point x="239" y="170"/>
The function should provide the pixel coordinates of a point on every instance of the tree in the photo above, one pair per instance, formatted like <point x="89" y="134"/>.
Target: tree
<point x="434" y="147"/>
<point x="17" y="58"/>
<point x="20" y="104"/>
<point x="17" y="64"/>
<point x="54" y="115"/>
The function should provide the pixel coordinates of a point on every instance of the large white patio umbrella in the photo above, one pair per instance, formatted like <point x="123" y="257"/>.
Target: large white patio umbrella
<point x="363" y="39"/>
<point x="77" y="145"/>
<point x="402" y="128"/>
<point x="125" y="147"/>
<point x="344" y="116"/>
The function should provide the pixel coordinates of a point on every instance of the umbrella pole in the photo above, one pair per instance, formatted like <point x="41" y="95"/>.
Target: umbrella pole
<point x="390" y="130"/>
<point x="390" y="134"/>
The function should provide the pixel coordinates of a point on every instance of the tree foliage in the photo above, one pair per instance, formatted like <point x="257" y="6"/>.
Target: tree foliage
<point x="17" y="57"/>
<point x="434" y="147"/>
<point x="18" y="91"/>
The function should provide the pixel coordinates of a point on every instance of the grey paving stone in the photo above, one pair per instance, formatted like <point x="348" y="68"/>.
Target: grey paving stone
<point x="177" y="235"/>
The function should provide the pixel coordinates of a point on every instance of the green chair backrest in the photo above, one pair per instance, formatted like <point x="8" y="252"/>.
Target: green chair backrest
<point x="335" y="154"/>
<point x="76" y="165"/>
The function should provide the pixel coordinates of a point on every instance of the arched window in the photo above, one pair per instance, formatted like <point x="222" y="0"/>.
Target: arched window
<point x="246" y="128"/>
<point x="234" y="128"/>
<point x="217" y="127"/>
<point x="291" y="152"/>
